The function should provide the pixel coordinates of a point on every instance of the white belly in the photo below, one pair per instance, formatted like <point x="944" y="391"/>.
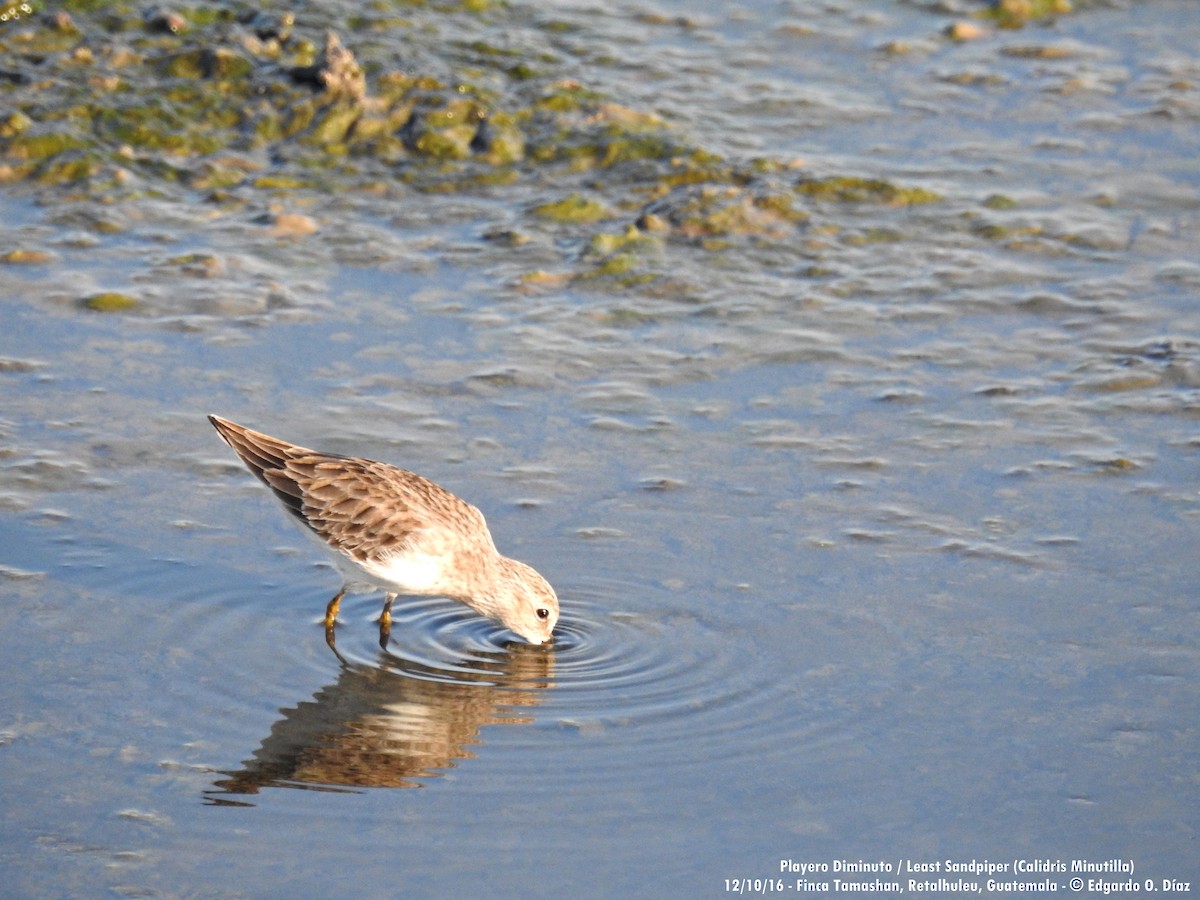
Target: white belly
<point x="408" y="573"/>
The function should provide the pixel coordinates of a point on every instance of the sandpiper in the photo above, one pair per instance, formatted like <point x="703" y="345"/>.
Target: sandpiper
<point x="394" y="530"/>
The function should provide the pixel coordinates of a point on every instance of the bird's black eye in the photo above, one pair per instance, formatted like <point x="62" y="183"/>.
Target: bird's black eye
<point x="543" y="613"/>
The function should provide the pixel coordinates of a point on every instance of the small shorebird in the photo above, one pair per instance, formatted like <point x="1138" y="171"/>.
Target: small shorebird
<point x="392" y="529"/>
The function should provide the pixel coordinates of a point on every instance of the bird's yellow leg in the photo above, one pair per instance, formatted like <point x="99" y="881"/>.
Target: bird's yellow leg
<point x="331" y="640"/>
<point x="385" y="621"/>
<point x="331" y="610"/>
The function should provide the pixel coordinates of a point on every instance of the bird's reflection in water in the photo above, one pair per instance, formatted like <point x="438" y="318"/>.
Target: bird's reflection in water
<point x="394" y="724"/>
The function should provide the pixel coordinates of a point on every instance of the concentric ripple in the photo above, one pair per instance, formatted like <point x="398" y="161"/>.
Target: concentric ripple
<point x="433" y="639"/>
<point x="669" y="678"/>
<point x="624" y="657"/>
<point x="631" y="664"/>
<point x="606" y="663"/>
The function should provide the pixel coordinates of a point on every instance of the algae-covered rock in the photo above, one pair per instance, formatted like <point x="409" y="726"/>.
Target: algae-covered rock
<point x="1000" y="201"/>
<point x="117" y="98"/>
<point x="574" y="209"/>
<point x="851" y="189"/>
<point x="27" y="257"/>
<point x="68" y="168"/>
<point x="607" y="244"/>
<point x="35" y="145"/>
<point x="214" y="81"/>
<point x="872" y="236"/>
<point x="332" y="124"/>
<point x="445" y="132"/>
<point x="723" y="211"/>
<point x="206" y="62"/>
<point x="110" y="301"/>
<point x="498" y="140"/>
<point x="199" y="265"/>
<point x="14" y="123"/>
<point x="1018" y="13"/>
<point x="625" y="259"/>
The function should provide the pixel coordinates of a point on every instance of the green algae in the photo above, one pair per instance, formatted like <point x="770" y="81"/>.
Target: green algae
<point x="615" y="265"/>
<point x="1019" y="13"/>
<point x="27" y="257"/>
<point x="1116" y="465"/>
<point x="873" y="236"/>
<point x="1038" y="51"/>
<point x="991" y="231"/>
<point x="225" y="94"/>
<point x="25" y="145"/>
<point x="14" y="124"/>
<point x="1018" y="235"/>
<point x="219" y="63"/>
<point x="621" y="147"/>
<point x="186" y="111"/>
<point x="721" y="211"/>
<point x="218" y="174"/>
<point x="67" y="169"/>
<point x="444" y="144"/>
<point x="625" y="317"/>
<point x="445" y="132"/>
<point x="632" y="238"/>
<point x="782" y="206"/>
<point x="815" y="271"/>
<point x="44" y="41"/>
<point x="110" y="302"/>
<point x="499" y="140"/>
<point x="1000" y="201"/>
<point x="123" y="9"/>
<point x="333" y="123"/>
<point x="567" y="97"/>
<point x="849" y="189"/>
<point x="621" y="257"/>
<point x="522" y="72"/>
<point x="572" y="209"/>
<point x="282" y="182"/>
<point x="157" y="126"/>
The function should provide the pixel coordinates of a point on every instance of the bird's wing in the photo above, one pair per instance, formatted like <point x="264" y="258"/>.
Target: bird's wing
<point x="366" y="509"/>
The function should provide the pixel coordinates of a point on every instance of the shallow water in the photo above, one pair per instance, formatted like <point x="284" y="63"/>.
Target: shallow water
<point x="875" y="535"/>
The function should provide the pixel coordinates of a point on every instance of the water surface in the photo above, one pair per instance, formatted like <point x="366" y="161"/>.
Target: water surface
<point x="874" y="530"/>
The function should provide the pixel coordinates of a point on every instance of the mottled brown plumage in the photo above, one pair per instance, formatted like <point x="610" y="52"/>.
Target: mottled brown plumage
<point x="394" y="529"/>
